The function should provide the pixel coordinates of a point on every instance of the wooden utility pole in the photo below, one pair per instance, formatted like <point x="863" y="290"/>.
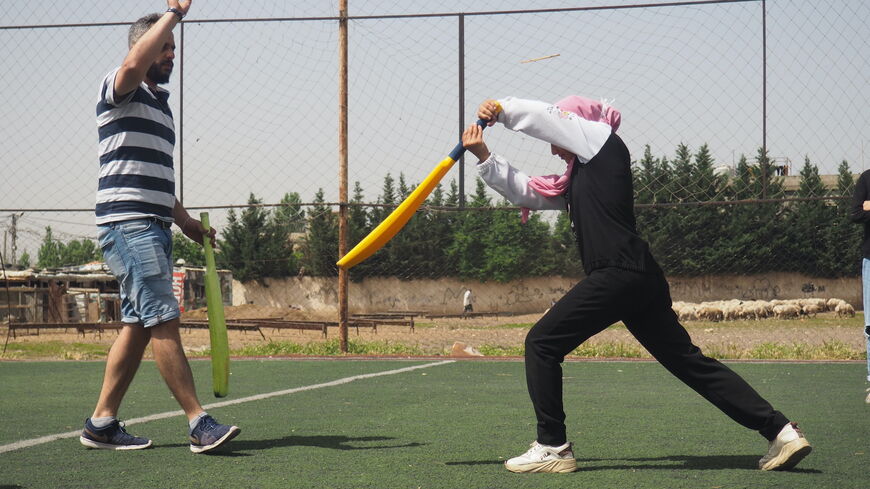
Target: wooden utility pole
<point x="13" y="231"/>
<point x="342" y="172"/>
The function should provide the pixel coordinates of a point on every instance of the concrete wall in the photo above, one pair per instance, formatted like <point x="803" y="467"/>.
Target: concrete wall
<point x="532" y="295"/>
<point x="765" y="287"/>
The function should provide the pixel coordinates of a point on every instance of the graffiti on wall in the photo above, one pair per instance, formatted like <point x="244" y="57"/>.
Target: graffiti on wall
<point x="694" y="289"/>
<point x="496" y="297"/>
<point x="520" y="293"/>
<point x="760" y="289"/>
<point x="715" y="288"/>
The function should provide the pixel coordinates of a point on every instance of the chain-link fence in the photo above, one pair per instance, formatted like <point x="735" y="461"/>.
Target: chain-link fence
<point x="747" y="121"/>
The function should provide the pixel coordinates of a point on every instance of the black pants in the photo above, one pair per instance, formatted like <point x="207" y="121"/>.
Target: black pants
<point x="643" y="303"/>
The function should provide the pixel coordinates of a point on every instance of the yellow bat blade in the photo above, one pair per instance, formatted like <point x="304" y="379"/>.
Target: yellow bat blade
<point x="400" y="216"/>
<point x="397" y="219"/>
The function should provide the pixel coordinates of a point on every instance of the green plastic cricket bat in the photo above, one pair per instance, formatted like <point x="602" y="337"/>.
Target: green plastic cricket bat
<point x="217" y="324"/>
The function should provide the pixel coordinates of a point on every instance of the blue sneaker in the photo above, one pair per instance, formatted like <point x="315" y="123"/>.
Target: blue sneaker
<point x="209" y="434"/>
<point x="111" y="437"/>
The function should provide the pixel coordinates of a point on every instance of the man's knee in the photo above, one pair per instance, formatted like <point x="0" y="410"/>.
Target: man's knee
<point x="166" y="328"/>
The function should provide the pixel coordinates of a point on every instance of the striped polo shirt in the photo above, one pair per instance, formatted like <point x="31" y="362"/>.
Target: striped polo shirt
<point x="137" y="136"/>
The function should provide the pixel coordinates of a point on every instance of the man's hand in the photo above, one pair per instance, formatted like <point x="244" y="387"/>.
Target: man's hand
<point x="488" y="111"/>
<point x="193" y="229"/>
<point x="183" y="6"/>
<point x="472" y="140"/>
<point x="866" y="205"/>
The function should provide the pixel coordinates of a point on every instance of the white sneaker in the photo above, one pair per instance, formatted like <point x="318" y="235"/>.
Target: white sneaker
<point x="867" y="400"/>
<point x="786" y="450"/>
<point x="543" y="458"/>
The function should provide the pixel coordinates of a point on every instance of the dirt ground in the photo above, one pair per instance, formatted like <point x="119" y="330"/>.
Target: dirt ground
<point x="437" y="336"/>
<point x="433" y="336"/>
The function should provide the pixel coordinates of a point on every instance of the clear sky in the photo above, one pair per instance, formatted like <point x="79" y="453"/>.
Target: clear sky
<point x="259" y="112"/>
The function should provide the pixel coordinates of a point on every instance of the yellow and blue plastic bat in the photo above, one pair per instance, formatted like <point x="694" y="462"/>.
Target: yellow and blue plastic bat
<point x="402" y="214"/>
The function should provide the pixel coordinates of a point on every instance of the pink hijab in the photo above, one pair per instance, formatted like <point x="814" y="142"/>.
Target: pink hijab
<point x="591" y="110"/>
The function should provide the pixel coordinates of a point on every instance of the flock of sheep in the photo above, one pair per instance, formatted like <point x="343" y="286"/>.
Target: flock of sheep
<point x="780" y="309"/>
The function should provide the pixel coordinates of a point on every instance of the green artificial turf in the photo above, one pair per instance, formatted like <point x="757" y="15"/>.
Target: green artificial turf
<point x="445" y="426"/>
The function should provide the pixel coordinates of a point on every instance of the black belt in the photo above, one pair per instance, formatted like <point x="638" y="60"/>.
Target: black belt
<point x="160" y="222"/>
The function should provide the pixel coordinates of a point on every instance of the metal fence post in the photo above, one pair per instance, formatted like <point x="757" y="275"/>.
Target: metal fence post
<point x="342" y="173"/>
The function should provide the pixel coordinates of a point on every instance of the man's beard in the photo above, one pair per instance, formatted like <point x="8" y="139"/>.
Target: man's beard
<point x="157" y="75"/>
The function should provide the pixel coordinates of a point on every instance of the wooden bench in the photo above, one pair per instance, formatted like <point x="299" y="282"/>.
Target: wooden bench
<point x="81" y="328"/>
<point x="236" y="325"/>
<point x="464" y="315"/>
<point x="274" y="323"/>
<point x="381" y="319"/>
<point x="374" y="323"/>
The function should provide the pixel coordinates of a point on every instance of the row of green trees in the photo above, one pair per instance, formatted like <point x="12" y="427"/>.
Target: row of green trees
<point x="697" y="221"/>
<point x="486" y="242"/>
<point x="810" y="232"/>
<point x="53" y="253"/>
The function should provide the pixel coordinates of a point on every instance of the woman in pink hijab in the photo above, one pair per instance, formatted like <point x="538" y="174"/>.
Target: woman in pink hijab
<point x="623" y="281"/>
<point x="553" y="185"/>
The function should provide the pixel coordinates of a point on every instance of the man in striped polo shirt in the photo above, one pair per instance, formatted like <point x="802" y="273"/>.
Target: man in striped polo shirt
<point x="135" y="208"/>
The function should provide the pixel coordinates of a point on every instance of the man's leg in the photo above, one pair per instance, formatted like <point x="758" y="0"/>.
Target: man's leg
<point x="139" y="252"/>
<point x="174" y="367"/>
<point x="206" y="433"/>
<point x="126" y="355"/>
<point x="865" y="282"/>
<point x="102" y="429"/>
<point x="121" y="366"/>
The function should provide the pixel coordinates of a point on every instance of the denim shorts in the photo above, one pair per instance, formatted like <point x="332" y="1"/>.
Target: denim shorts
<point x="865" y="274"/>
<point x="139" y="253"/>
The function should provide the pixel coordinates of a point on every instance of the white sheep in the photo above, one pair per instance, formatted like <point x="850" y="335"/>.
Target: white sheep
<point x="786" y="311"/>
<point x="811" y="309"/>
<point x="709" y="312"/>
<point x="688" y="312"/>
<point x="757" y="309"/>
<point x="732" y="310"/>
<point x="844" y="309"/>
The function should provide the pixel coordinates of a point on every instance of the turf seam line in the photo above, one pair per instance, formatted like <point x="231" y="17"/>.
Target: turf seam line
<point x="170" y="414"/>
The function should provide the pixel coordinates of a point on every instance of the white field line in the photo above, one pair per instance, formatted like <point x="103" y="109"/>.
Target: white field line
<point x="170" y="414"/>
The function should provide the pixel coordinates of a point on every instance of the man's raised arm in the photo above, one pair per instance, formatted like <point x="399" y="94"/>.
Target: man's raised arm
<point x="145" y="50"/>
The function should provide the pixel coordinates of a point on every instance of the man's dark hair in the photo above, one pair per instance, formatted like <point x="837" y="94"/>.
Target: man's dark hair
<point x="140" y="27"/>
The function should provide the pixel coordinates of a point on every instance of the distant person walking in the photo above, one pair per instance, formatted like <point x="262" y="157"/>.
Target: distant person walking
<point x="467" y="301"/>
<point x="136" y="206"/>
<point x="861" y="215"/>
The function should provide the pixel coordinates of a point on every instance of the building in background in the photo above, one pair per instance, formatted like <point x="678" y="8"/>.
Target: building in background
<point x="88" y="293"/>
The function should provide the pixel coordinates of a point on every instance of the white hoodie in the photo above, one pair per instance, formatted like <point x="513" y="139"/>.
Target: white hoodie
<point x="548" y="123"/>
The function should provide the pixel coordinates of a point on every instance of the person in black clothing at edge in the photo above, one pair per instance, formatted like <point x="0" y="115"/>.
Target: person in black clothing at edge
<point x="861" y="215"/>
<point x="623" y="281"/>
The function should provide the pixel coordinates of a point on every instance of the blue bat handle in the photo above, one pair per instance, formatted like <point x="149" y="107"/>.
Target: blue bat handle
<point x="458" y="150"/>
